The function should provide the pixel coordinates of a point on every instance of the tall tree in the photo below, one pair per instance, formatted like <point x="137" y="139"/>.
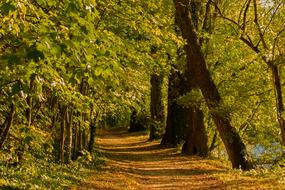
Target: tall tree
<point x="234" y="145"/>
<point x="156" y="106"/>
<point x="175" y="121"/>
<point x="260" y="27"/>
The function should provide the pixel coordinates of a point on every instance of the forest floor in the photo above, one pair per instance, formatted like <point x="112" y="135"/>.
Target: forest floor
<point x="134" y="163"/>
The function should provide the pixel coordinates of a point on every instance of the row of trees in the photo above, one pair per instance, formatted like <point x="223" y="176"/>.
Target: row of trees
<point x="69" y="66"/>
<point x="257" y="28"/>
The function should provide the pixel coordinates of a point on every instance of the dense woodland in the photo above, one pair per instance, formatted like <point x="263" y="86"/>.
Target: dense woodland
<point x="203" y="75"/>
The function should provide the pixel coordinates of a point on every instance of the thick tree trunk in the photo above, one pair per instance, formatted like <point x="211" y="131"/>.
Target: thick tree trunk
<point x="175" y="125"/>
<point x="235" y="147"/>
<point x="175" y="122"/>
<point x="4" y="131"/>
<point x="279" y="100"/>
<point x="196" y="137"/>
<point x="156" y="107"/>
<point x="92" y="137"/>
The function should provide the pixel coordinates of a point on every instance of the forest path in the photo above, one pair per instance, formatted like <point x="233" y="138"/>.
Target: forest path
<point x="133" y="162"/>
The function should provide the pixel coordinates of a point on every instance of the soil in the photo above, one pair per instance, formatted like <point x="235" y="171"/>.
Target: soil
<point x="134" y="163"/>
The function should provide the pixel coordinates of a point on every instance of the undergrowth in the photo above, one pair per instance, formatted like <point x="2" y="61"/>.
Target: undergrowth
<point x="41" y="174"/>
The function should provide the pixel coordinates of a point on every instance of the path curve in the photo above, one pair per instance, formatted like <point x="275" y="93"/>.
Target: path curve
<point x="134" y="163"/>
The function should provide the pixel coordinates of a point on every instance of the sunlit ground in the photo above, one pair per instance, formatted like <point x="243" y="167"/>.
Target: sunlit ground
<point x="132" y="162"/>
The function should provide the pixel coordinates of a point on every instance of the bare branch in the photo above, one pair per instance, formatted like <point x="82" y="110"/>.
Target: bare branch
<point x="275" y="41"/>
<point x="250" y="44"/>
<point x="244" y="16"/>
<point x="224" y="17"/>
<point x="271" y="18"/>
<point x="245" y="125"/>
<point x="256" y="21"/>
<point x="206" y="16"/>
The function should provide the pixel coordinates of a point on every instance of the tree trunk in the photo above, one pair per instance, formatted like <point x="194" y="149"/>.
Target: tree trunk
<point x="4" y="131"/>
<point x="75" y="142"/>
<point x="92" y="131"/>
<point x="92" y="137"/>
<point x="196" y="137"/>
<point x="29" y="101"/>
<point x="69" y="116"/>
<point x="175" y="122"/>
<point x="175" y="125"/>
<point x="235" y="147"/>
<point x="84" y="139"/>
<point x="156" y="107"/>
<point x="79" y="139"/>
<point x="279" y="100"/>
<point x="62" y="133"/>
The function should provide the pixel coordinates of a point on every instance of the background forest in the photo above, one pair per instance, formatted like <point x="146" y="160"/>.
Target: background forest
<point x="204" y="74"/>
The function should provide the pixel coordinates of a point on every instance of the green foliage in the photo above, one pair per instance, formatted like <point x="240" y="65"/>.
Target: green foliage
<point x="96" y="58"/>
<point x="39" y="174"/>
<point x="91" y="57"/>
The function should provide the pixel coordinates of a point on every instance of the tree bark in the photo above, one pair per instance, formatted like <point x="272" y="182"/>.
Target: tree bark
<point x="175" y="122"/>
<point x="196" y="138"/>
<point x="92" y="131"/>
<point x="92" y="137"/>
<point x="62" y="133"/>
<point x="75" y="142"/>
<point x="156" y="107"/>
<point x="29" y="101"/>
<point x="279" y="100"/>
<point x="84" y="139"/>
<point x="79" y="139"/>
<point x="234" y="145"/>
<point x="7" y="125"/>
<point x="69" y="131"/>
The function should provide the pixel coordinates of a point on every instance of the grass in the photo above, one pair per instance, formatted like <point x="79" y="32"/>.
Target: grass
<point x="254" y="179"/>
<point x="132" y="162"/>
<point x="40" y="174"/>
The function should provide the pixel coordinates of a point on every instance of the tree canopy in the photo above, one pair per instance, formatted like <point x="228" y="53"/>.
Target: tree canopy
<point x="68" y="67"/>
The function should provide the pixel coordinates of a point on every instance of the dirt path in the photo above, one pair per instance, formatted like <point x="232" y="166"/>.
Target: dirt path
<point x="132" y="162"/>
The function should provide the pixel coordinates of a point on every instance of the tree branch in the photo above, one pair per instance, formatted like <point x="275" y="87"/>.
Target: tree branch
<point x="275" y="41"/>
<point x="256" y="21"/>
<point x="244" y="16"/>
<point x="249" y="43"/>
<point x="245" y="125"/>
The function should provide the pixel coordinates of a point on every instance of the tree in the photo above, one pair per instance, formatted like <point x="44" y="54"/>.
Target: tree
<point x="260" y="27"/>
<point x="156" y="107"/>
<point x="235" y="147"/>
<point x="175" y="123"/>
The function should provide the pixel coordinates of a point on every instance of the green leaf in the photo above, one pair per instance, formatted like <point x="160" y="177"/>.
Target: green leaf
<point x="35" y="55"/>
<point x="16" y="88"/>
<point x="28" y="140"/>
<point x="7" y="7"/>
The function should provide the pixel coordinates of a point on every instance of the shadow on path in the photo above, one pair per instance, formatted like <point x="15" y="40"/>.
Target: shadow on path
<point x="133" y="162"/>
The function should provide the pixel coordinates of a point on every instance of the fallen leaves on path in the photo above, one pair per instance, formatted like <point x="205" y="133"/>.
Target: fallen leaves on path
<point x="134" y="163"/>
